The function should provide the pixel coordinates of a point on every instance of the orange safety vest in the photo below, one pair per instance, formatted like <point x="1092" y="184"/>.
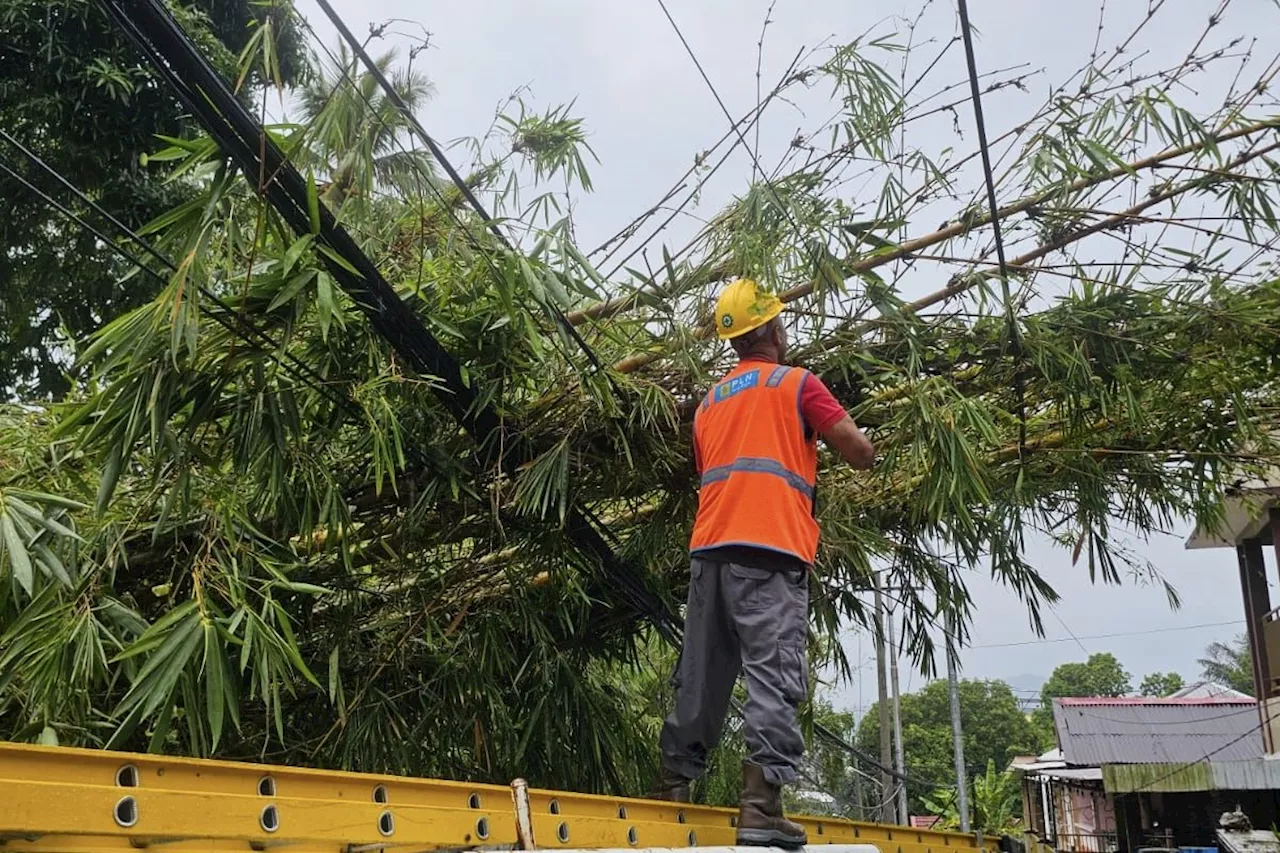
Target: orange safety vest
<point x="759" y="465"/>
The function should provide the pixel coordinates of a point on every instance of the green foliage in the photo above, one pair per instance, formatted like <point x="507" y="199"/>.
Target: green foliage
<point x="1229" y="664"/>
<point x="1160" y="684"/>
<point x="995" y="730"/>
<point x="1100" y="675"/>
<point x="326" y="571"/>
<point x="72" y="89"/>
<point x="996" y="803"/>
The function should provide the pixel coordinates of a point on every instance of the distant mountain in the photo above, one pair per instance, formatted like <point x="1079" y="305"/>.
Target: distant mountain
<point x="1027" y="688"/>
<point x="1025" y="685"/>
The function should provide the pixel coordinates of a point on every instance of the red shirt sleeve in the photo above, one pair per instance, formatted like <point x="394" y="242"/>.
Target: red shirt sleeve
<point x="820" y="408"/>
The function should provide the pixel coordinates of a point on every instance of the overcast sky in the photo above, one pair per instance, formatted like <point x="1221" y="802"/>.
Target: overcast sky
<point x="648" y="113"/>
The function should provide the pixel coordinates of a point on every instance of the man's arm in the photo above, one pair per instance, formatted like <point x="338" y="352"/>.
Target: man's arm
<point x="824" y="414"/>
<point x="850" y="442"/>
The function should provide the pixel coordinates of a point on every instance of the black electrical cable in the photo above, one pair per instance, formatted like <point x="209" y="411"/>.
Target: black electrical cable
<point x="1015" y="342"/>
<point x="438" y="153"/>
<point x="228" y="318"/>
<point x="158" y="36"/>
<point x="254" y="336"/>
<point x="817" y="261"/>
<point x="150" y="25"/>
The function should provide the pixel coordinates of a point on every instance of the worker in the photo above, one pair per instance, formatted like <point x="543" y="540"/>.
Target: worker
<point x="754" y="542"/>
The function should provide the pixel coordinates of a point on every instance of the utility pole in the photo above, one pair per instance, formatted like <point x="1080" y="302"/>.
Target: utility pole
<point x="883" y="810"/>
<point x="957" y="734"/>
<point x="859" y="794"/>
<point x="899" y="760"/>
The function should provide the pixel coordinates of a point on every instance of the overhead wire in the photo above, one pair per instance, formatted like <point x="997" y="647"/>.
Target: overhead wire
<point x="1015" y="341"/>
<point x="231" y="134"/>
<point x="629" y="581"/>
<point x="240" y="135"/>
<point x="438" y="153"/>
<point x="820" y="268"/>
<point x="255" y="336"/>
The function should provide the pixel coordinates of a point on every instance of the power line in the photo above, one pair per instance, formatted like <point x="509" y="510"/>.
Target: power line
<point x="820" y="267"/>
<point x="318" y="381"/>
<point x="1076" y="639"/>
<point x="438" y="153"/>
<point x="1019" y="381"/>
<point x="152" y="28"/>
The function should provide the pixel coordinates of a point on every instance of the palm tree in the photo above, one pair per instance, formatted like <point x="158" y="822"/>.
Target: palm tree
<point x="356" y="135"/>
<point x="1230" y="664"/>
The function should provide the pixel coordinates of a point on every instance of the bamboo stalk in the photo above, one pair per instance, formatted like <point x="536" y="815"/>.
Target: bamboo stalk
<point x="636" y="361"/>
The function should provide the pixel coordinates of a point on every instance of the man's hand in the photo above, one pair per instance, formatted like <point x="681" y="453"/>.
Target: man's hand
<point x="851" y="443"/>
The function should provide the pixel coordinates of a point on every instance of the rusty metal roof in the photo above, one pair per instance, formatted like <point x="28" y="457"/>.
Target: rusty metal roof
<point x="1093" y="733"/>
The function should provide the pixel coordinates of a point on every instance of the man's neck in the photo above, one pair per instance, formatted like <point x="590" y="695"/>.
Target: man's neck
<point x="765" y="354"/>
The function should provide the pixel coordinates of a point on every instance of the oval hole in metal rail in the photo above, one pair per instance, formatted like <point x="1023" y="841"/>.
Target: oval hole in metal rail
<point x="125" y="812"/>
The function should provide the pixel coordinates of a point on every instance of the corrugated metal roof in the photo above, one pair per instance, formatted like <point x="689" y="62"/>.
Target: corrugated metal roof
<point x="1155" y="731"/>
<point x="1210" y="690"/>
<point x="1147" y="700"/>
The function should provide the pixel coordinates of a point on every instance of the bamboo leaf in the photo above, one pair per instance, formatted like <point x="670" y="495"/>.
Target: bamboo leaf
<point x="19" y="559"/>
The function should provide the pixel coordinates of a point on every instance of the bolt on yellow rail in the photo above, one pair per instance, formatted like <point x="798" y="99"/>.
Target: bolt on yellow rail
<point x="85" y="801"/>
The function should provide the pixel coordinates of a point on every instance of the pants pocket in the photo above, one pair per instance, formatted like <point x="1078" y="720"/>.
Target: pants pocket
<point x="794" y="677"/>
<point x="751" y="586"/>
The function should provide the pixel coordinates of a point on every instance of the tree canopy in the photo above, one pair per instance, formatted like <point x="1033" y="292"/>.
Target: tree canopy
<point x="241" y="545"/>
<point x="995" y="730"/>
<point x="1229" y="664"/>
<point x="1160" y="684"/>
<point x="73" y="90"/>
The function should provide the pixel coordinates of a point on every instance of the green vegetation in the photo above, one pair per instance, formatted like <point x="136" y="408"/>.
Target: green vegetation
<point x="72" y="88"/>
<point x="996" y="803"/>
<point x="995" y="730"/>
<point x="1229" y="664"/>
<point x="1159" y="684"/>
<point x="205" y="550"/>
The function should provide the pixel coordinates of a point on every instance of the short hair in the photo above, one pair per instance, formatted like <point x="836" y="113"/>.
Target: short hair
<point x="743" y="344"/>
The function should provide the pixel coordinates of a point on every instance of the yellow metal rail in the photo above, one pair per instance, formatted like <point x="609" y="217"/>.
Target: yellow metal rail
<point x="84" y="801"/>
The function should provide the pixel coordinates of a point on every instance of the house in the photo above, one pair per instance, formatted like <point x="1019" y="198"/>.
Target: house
<point x="1140" y="772"/>
<point x="1065" y="806"/>
<point x="1209" y="690"/>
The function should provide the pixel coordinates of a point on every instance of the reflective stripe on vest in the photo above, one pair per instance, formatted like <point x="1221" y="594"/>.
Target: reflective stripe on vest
<point x="759" y="463"/>
<point x="763" y="466"/>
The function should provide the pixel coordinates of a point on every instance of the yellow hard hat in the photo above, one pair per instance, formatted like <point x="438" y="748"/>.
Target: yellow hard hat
<point x="744" y="305"/>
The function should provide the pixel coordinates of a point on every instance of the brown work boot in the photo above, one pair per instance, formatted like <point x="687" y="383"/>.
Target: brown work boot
<point x="671" y="787"/>
<point x="760" y="820"/>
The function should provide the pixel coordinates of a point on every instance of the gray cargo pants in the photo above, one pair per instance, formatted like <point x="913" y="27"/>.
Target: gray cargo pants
<point x="754" y="621"/>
